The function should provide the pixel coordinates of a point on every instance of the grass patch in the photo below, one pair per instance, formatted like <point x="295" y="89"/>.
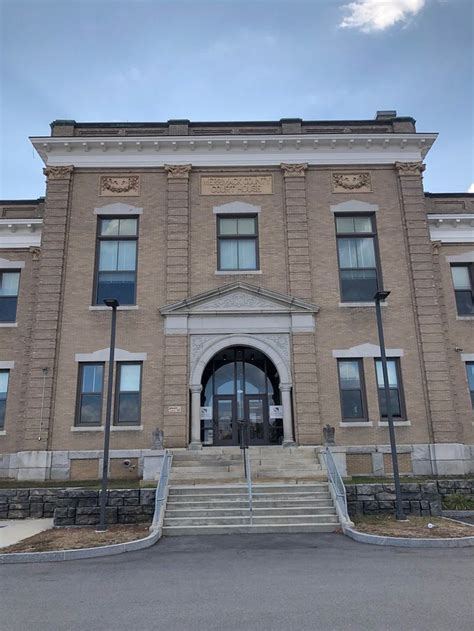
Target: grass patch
<point x="75" y="538"/>
<point x="416" y="527"/>
<point x="64" y="484"/>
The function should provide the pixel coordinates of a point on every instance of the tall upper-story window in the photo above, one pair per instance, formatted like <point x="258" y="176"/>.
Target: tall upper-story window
<point x="397" y="402"/>
<point x="463" y="281"/>
<point x="237" y="239"/>
<point x="116" y="264"/>
<point x="470" y="380"/>
<point x="352" y="390"/>
<point x="4" y="377"/>
<point x="89" y="394"/>
<point x="128" y="393"/>
<point x="359" y="267"/>
<point x="9" y="284"/>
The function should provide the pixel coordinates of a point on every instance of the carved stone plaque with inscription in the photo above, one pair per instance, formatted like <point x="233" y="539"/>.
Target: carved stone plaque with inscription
<point x="237" y="185"/>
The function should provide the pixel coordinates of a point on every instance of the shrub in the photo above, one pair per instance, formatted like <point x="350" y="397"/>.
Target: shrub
<point x="457" y="501"/>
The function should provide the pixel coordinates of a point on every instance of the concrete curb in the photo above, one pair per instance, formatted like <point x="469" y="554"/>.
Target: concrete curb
<point x="406" y="542"/>
<point x="457" y="513"/>
<point x="84" y="553"/>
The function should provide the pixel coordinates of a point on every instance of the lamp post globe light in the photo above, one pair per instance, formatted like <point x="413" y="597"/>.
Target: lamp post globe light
<point x="379" y="296"/>
<point x="113" y="304"/>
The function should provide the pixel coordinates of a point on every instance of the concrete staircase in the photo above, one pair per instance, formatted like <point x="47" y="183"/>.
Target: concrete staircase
<point x="208" y="494"/>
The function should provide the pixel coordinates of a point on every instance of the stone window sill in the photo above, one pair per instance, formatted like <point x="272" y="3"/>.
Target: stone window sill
<point x="465" y="317"/>
<point x="396" y="423"/>
<point x="237" y="272"/>
<point x="98" y="428"/>
<point x="3" y="432"/>
<point x="8" y="325"/>
<point x="355" y="424"/>
<point x="360" y="304"/>
<point x="122" y="308"/>
<point x="126" y="428"/>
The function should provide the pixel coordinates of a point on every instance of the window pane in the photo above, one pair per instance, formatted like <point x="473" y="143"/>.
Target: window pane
<point x="4" y="374"/>
<point x="108" y="255"/>
<point x="8" y="308"/>
<point x="129" y="408"/>
<point x="394" y="403"/>
<point x="127" y="251"/>
<point x="352" y="404"/>
<point x="227" y="226"/>
<point x="349" y="374"/>
<point x="461" y="278"/>
<point x="365" y="253"/>
<point x="90" y="408"/>
<point x="3" y="405"/>
<point x="119" y="285"/>
<point x="9" y="282"/>
<point x="128" y="227"/>
<point x="130" y="377"/>
<point x="470" y="376"/>
<point x="347" y="252"/>
<point x="247" y="254"/>
<point x="109" y="227"/>
<point x="255" y="381"/>
<point x="345" y="224"/>
<point x="228" y="254"/>
<point x="358" y="285"/>
<point x="92" y="378"/>
<point x="464" y="302"/>
<point x="392" y="373"/>
<point x="224" y="378"/>
<point x="246" y="225"/>
<point x="362" y="224"/>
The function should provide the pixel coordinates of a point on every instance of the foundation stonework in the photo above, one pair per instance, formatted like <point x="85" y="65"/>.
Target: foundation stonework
<point x="291" y="178"/>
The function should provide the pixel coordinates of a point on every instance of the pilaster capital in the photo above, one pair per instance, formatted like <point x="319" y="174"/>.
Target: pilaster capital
<point x="293" y="170"/>
<point x="195" y="388"/>
<point x="409" y="168"/>
<point x="58" y="173"/>
<point x="178" y="171"/>
<point x="285" y="387"/>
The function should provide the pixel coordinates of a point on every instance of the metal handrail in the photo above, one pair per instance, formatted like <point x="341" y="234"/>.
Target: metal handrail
<point x="337" y="485"/>
<point x="248" y="475"/>
<point x="161" y="494"/>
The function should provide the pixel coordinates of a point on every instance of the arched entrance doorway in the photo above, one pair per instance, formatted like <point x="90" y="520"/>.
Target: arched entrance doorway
<point x="241" y="383"/>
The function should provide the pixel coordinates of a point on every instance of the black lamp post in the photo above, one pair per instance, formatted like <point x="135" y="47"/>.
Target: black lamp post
<point x="382" y="295"/>
<point x="113" y="304"/>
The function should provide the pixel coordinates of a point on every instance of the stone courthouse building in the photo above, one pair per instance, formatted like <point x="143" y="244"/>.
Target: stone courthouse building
<point x="245" y="257"/>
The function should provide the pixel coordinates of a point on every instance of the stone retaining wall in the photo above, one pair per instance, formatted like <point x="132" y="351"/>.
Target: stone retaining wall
<point x="77" y="506"/>
<point x="418" y="498"/>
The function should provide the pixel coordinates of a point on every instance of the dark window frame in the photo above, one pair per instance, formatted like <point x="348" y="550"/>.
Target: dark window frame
<point x="230" y="237"/>
<point x="470" y="271"/>
<point x="363" y="391"/>
<point x="118" y="372"/>
<point x="362" y="235"/>
<point x="12" y="270"/>
<point x="3" y="417"/>
<point x="471" y="392"/>
<point x="79" y="394"/>
<point x="99" y="238"/>
<point x="400" y="388"/>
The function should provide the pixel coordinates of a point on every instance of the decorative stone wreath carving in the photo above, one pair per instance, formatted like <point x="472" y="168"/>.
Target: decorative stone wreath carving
<point x="294" y="170"/>
<point x="178" y="171"/>
<point x="351" y="182"/>
<point x="119" y="186"/>
<point x="58" y="173"/>
<point x="409" y="168"/>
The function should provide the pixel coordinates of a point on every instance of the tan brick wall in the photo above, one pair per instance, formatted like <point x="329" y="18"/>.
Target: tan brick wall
<point x="404" y="463"/>
<point x="85" y="469"/>
<point x="359" y="464"/>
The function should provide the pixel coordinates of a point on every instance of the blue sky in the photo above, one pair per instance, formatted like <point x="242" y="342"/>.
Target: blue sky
<point x="147" y="60"/>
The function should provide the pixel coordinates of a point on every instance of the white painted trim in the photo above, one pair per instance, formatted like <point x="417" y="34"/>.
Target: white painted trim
<point x="355" y="424"/>
<point x="8" y="264"/>
<point x="396" y="423"/>
<point x="453" y="228"/>
<point x="249" y="272"/>
<point x="467" y="357"/>
<point x="118" y="208"/>
<point x="465" y="257"/>
<point x="8" y="325"/>
<point x="366" y="350"/>
<point x="464" y="317"/>
<point x="354" y="206"/>
<point x="92" y="428"/>
<point x="4" y="433"/>
<point x="7" y="365"/>
<point x="20" y="233"/>
<point x="120" y="308"/>
<point x="360" y="304"/>
<point x="126" y="428"/>
<point x="233" y="150"/>
<point x="236" y="208"/>
<point x="103" y="356"/>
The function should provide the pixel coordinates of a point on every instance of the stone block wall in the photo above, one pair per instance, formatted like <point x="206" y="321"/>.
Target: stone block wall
<point x="418" y="498"/>
<point x="77" y="506"/>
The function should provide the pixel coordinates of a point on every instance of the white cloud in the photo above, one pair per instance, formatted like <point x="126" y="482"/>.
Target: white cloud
<point x="471" y="188"/>
<point x="378" y="15"/>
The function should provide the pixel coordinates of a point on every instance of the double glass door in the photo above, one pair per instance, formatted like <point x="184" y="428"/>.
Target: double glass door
<point x="226" y="422"/>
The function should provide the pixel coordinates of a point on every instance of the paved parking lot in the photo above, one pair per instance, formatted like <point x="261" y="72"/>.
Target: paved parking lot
<point x="240" y="582"/>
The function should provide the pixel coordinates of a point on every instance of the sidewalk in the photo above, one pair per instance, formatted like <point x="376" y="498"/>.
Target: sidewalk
<point x="14" y="530"/>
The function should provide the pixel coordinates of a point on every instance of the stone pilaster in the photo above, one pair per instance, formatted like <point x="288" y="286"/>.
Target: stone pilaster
<point x="176" y="391"/>
<point x="299" y="270"/>
<point x="46" y="322"/>
<point x="177" y="254"/>
<point x="431" y="337"/>
<point x="305" y="389"/>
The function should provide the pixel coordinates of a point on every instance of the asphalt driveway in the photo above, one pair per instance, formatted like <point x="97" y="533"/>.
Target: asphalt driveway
<point x="254" y="582"/>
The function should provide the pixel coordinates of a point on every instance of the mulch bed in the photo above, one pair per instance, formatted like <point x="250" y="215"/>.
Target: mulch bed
<point x="416" y="527"/>
<point x="76" y="538"/>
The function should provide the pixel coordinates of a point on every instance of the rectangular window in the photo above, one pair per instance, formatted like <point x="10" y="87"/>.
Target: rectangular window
<point x="357" y="249"/>
<point x="4" y="377"/>
<point x="237" y="239"/>
<point x="128" y="394"/>
<point x="352" y="390"/>
<point x="116" y="264"/>
<point x="397" y="404"/>
<point x="89" y="394"/>
<point x="463" y="281"/>
<point x="9" y="284"/>
<point x="470" y="380"/>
